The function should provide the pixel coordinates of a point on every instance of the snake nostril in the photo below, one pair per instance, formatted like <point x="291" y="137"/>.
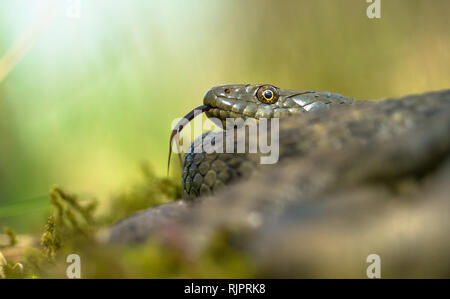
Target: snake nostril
<point x="227" y="90"/>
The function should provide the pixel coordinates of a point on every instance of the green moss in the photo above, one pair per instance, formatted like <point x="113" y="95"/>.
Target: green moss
<point x="223" y="260"/>
<point x="151" y="192"/>
<point x="70" y="221"/>
<point x="10" y="270"/>
<point x="72" y="227"/>
<point x="12" y="236"/>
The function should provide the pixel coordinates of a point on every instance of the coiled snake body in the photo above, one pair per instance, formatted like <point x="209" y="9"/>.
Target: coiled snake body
<point x="204" y="173"/>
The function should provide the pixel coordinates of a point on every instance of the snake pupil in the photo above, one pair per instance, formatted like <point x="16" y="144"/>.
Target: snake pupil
<point x="268" y="94"/>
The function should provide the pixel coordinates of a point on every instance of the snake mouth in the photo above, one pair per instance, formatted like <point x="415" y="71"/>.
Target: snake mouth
<point x="222" y="108"/>
<point x="223" y="114"/>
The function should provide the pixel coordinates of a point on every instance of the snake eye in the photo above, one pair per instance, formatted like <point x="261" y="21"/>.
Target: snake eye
<point x="267" y="94"/>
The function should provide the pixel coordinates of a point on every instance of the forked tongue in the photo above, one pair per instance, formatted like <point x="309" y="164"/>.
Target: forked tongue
<point x="179" y="127"/>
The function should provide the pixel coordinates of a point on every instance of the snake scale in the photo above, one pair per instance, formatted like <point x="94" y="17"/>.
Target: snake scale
<point x="203" y="173"/>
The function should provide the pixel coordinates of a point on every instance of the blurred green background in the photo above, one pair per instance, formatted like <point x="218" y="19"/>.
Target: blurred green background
<point x="95" y="95"/>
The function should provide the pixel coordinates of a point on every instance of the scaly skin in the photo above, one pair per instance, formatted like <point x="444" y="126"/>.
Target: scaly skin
<point x="204" y="173"/>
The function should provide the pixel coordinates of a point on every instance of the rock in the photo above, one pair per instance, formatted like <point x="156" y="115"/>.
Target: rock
<point x="351" y="181"/>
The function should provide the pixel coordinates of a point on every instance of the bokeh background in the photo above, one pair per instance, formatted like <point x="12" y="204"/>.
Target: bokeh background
<point x="84" y="99"/>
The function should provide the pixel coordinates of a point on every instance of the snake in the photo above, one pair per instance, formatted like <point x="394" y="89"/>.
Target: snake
<point x="204" y="173"/>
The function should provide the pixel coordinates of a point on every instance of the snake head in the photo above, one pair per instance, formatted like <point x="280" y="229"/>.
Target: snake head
<point x="263" y="101"/>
